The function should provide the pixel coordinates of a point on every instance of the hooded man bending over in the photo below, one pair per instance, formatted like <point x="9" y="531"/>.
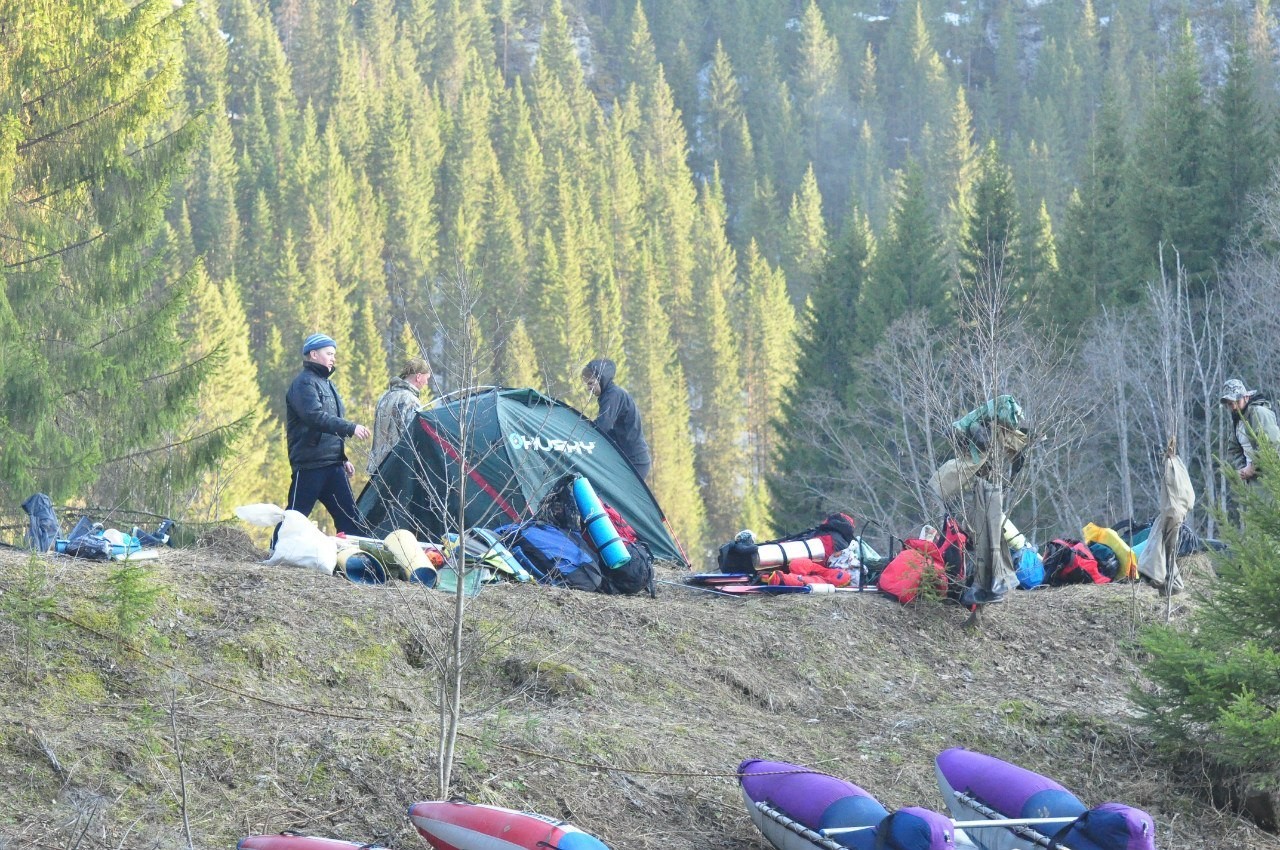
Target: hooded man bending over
<point x="618" y="417"/>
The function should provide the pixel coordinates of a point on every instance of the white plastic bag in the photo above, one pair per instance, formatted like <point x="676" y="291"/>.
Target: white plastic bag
<point x="301" y="544"/>
<point x="260" y="514"/>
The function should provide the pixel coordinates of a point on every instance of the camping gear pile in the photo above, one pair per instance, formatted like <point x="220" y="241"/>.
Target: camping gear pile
<point x="936" y="563"/>
<point x="830" y="555"/>
<point x="574" y="540"/>
<point x="89" y="539"/>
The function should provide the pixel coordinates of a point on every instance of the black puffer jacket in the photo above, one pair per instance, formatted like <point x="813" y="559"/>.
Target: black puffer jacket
<point x="313" y="421"/>
<point x="619" y="417"/>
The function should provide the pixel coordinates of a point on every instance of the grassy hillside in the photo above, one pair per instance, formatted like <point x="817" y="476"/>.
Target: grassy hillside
<point x="273" y="699"/>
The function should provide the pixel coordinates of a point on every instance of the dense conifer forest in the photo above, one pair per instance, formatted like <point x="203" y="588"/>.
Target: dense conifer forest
<point x="811" y="234"/>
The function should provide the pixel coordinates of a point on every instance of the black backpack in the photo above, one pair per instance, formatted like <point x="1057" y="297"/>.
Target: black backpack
<point x="737" y="557"/>
<point x="558" y="507"/>
<point x="635" y="576"/>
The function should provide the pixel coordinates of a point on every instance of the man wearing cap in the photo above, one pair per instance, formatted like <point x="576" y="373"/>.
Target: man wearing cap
<point x="396" y="409"/>
<point x="1252" y="419"/>
<point x="316" y="429"/>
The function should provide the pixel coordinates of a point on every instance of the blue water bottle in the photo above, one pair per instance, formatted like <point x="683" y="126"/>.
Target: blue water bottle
<point x="599" y="527"/>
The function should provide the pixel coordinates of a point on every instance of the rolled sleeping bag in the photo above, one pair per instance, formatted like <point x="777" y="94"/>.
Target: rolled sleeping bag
<point x="599" y="527"/>
<point x="363" y="568"/>
<point x="1013" y="538"/>
<point x="410" y="557"/>
<point x="779" y="554"/>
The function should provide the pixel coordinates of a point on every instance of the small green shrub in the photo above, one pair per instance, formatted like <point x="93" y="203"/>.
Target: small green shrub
<point x="30" y="604"/>
<point x="131" y="597"/>
<point x="1216" y="679"/>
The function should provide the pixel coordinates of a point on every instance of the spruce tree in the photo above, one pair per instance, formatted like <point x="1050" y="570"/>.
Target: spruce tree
<point x="806" y="239"/>
<point x="1170" y="198"/>
<point x="908" y="273"/>
<point x="778" y="142"/>
<point x="951" y="158"/>
<point x="284" y="328"/>
<point x="819" y="104"/>
<point x="1262" y="48"/>
<point x="211" y="197"/>
<point x="721" y="113"/>
<point x="1094" y="242"/>
<point x="625" y="221"/>
<point x="93" y="367"/>
<point x="656" y="380"/>
<point x="518" y="363"/>
<point x="769" y="331"/>
<point x="563" y="317"/>
<point x="468" y="168"/>
<point x="869" y="183"/>
<point x="800" y="483"/>
<point x="715" y="377"/>
<point x="991" y="250"/>
<point x="365" y="371"/>
<point x="1007" y="83"/>
<point x="406" y="153"/>
<point x="1039" y="262"/>
<point x="258" y="82"/>
<point x="564" y="108"/>
<point x="1243" y="147"/>
<point x="523" y="164"/>
<point x="918" y="75"/>
<point x="219" y="330"/>
<point x="661" y="146"/>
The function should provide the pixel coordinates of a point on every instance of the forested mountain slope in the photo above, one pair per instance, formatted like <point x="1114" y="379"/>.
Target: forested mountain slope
<point x="810" y="234"/>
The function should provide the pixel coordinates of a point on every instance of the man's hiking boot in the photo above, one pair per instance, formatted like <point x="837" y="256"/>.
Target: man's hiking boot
<point x="980" y="596"/>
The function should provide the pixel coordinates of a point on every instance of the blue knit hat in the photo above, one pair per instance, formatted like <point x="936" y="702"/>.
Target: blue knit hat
<point x="317" y="341"/>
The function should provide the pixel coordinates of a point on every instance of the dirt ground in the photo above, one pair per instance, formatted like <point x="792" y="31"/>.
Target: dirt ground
<point x="259" y="699"/>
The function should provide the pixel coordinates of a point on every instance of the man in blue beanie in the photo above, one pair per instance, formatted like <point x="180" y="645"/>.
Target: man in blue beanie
<point x="316" y="430"/>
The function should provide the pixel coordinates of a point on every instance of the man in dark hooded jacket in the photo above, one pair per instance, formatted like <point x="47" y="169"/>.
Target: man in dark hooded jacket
<point x="618" y="417"/>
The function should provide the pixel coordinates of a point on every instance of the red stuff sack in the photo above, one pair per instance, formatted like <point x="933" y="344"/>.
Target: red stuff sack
<point x="918" y="564"/>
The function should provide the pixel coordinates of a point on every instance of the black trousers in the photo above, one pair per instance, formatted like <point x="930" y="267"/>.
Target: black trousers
<point x="330" y="487"/>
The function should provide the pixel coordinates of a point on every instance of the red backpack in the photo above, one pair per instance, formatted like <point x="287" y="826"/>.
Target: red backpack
<point x="1068" y="561"/>
<point x="954" y="547"/>
<point x="620" y="525"/>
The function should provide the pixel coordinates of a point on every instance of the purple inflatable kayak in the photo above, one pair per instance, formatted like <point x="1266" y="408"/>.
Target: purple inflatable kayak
<point x="792" y="805"/>
<point x="981" y="787"/>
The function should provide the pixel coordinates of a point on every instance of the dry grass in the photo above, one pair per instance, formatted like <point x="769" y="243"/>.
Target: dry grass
<point x="302" y="702"/>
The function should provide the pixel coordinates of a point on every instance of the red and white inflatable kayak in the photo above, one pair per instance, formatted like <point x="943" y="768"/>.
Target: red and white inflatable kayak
<point x="458" y="825"/>
<point x="294" y="841"/>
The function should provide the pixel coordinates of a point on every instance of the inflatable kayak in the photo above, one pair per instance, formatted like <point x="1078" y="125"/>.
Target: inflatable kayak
<point x="798" y="808"/>
<point x="459" y="825"/>
<point x="979" y="787"/>
<point x="295" y="841"/>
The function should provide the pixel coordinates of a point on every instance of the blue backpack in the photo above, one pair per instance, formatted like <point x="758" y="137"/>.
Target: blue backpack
<point x="552" y="555"/>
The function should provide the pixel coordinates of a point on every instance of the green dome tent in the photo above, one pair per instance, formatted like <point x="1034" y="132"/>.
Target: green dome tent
<point x="500" y="450"/>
